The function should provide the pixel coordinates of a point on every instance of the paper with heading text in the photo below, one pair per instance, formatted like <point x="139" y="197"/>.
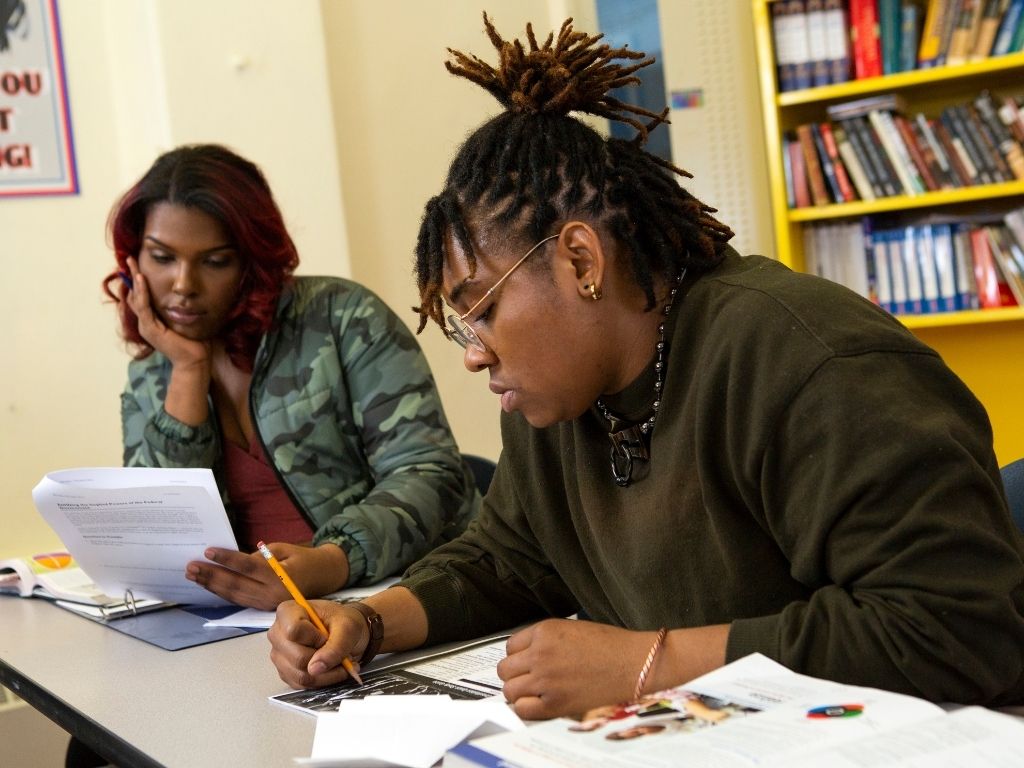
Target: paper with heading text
<point x="135" y="528"/>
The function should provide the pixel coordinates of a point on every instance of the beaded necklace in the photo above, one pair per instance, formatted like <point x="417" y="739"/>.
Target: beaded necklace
<point x="630" y="442"/>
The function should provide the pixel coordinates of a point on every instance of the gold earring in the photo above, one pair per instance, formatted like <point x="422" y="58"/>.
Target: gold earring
<point x="595" y="293"/>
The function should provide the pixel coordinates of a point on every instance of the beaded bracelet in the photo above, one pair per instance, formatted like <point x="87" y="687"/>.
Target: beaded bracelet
<point x="641" y="679"/>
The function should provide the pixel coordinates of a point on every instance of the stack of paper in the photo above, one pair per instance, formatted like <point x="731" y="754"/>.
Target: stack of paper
<point x="363" y="731"/>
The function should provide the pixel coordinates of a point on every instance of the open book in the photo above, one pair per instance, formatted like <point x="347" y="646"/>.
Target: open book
<point x="55" y="576"/>
<point x="134" y="529"/>
<point x="755" y="712"/>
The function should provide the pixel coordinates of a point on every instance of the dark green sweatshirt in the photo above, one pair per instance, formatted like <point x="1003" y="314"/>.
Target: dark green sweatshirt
<point x="819" y="479"/>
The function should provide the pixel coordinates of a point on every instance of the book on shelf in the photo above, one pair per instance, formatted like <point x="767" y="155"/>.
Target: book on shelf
<point x="813" y="166"/>
<point x="1009" y="25"/>
<point x="828" y="166"/>
<point x="817" y="42"/>
<point x="855" y="169"/>
<point x="865" y="40"/>
<point x="801" y="188"/>
<point x="963" y="170"/>
<point x="1006" y="143"/>
<point x="991" y="14"/>
<point x="910" y="33"/>
<point x="792" y="54"/>
<point x="1000" y="242"/>
<point x="837" y="41"/>
<point x="925" y="265"/>
<point x="754" y="712"/>
<point x="917" y="153"/>
<point x="932" y="153"/>
<point x="988" y="144"/>
<point x="967" y="145"/>
<point x="1011" y="116"/>
<point x="965" y="30"/>
<point x="889" y="31"/>
<point x="831" y="148"/>
<point x="937" y="19"/>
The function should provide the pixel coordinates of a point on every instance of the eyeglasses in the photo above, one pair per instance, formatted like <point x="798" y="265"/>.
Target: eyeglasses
<point x="461" y="332"/>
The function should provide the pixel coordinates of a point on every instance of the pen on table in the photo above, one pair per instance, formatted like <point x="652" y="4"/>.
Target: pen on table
<point x="126" y="279"/>
<point x="293" y="590"/>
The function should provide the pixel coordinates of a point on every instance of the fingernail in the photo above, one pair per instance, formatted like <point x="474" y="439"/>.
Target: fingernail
<point x="317" y="667"/>
<point x="211" y="554"/>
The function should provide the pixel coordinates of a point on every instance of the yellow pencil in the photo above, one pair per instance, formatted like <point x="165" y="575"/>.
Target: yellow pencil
<point x="293" y="590"/>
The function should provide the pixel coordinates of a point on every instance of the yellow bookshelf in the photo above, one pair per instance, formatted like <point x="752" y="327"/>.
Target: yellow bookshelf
<point x="984" y="347"/>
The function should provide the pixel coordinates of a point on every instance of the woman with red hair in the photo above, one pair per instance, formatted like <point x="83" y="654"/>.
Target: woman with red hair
<point x="307" y="396"/>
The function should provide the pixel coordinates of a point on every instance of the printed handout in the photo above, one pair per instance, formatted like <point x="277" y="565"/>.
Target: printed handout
<point x="134" y="529"/>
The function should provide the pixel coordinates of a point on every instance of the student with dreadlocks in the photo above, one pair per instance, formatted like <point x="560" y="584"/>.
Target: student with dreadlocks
<point x="707" y="454"/>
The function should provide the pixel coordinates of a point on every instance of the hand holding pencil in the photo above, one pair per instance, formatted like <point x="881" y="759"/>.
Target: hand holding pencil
<point x="293" y="590"/>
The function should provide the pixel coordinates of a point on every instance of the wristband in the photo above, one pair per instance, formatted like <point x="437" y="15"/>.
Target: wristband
<point x="645" y="670"/>
<point x="375" y="624"/>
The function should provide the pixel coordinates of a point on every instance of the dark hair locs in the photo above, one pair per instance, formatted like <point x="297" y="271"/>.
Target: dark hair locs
<point x="233" y="191"/>
<point x="534" y="163"/>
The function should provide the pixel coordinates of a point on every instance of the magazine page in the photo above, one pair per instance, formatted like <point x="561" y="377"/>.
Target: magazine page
<point x="751" y="712"/>
<point x="470" y="673"/>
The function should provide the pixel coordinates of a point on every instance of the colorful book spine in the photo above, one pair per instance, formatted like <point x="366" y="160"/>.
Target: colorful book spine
<point x="930" y="48"/>
<point x="866" y="43"/>
<point x="910" y="31"/>
<point x="890" y="29"/>
<point x="854" y="166"/>
<point x="924" y="172"/>
<point x="815" y="174"/>
<point x="991" y="14"/>
<point x="1008" y="28"/>
<point x="964" y="30"/>
<point x="1008" y="146"/>
<point x="827" y="166"/>
<point x="832" y="150"/>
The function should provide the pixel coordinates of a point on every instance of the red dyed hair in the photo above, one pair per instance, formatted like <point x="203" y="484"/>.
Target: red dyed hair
<point x="212" y="179"/>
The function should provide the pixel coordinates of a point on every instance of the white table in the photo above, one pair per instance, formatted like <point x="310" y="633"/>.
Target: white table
<point x="140" y="705"/>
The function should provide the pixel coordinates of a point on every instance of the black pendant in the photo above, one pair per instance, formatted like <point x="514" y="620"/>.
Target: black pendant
<point x="627" y="444"/>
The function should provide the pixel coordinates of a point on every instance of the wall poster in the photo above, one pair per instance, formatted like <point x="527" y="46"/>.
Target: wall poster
<point x="37" y="154"/>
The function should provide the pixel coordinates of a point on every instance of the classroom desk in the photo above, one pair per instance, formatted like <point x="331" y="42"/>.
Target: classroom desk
<point x="143" y="706"/>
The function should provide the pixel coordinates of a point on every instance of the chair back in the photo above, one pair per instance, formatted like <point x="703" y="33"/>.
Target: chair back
<point x="1013" y="482"/>
<point x="482" y="469"/>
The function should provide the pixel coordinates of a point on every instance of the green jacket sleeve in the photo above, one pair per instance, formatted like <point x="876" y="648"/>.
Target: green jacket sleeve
<point x="421" y="492"/>
<point x="151" y="436"/>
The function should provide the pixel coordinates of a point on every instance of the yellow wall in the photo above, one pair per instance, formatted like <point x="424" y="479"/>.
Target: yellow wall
<point x="143" y="77"/>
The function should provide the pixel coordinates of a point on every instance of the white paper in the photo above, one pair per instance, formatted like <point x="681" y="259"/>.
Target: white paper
<point x="255" y="619"/>
<point x="136" y="528"/>
<point x="364" y="730"/>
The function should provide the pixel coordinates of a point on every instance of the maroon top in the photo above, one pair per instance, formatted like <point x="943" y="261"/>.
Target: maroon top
<point x="262" y="507"/>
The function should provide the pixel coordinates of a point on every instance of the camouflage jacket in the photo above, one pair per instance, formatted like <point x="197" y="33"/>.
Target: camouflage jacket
<point x="345" y="404"/>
